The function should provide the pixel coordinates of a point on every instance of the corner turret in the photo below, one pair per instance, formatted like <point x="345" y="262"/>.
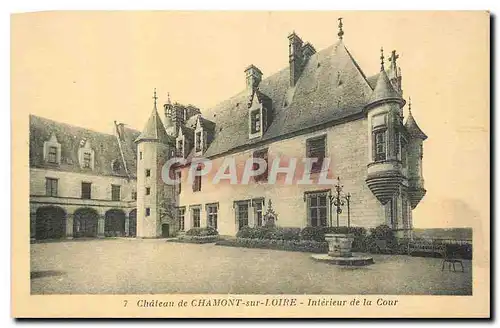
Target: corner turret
<point x="416" y="190"/>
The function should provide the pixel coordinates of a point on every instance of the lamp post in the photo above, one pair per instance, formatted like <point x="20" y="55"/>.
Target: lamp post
<point x="348" y="200"/>
<point x="337" y="201"/>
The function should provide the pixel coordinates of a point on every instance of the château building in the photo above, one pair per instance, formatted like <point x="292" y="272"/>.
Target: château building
<point x="322" y="105"/>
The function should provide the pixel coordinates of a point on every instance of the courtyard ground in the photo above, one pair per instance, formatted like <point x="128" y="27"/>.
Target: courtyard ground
<point x="131" y="266"/>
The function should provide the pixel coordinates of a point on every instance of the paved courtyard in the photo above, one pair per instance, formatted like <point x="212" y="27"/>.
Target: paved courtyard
<point x="130" y="266"/>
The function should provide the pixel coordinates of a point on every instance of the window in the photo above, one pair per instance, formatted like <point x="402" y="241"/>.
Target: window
<point x="86" y="190"/>
<point x="392" y="211"/>
<point x="52" y="158"/>
<point x="140" y="155"/>
<point x="263" y="155"/>
<point x="404" y="205"/>
<point x="404" y="152"/>
<point x="242" y="215"/>
<point x="148" y="172"/>
<point x="87" y="158"/>
<point x="198" y="141"/>
<point x="181" y="212"/>
<point x="116" y="166"/>
<point x="148" y="190"/>
<point x="197" y="180"/>
<point x="397" y="143"/>
<point x="134" y="195"/>
<point x="115" y="192"/>
<point x="179" y="185"/>
<point x="51" y="187"/>
<point x="180" y="148"/>
<point x="255" y="123"/>
<point x="148" y="211"/>
<point x="317" y="209"/>
<point x="212" y="215"/>
<point x="316" y="149"/>
<point x="380" y="147"/>
<point x="196" y="217"/>
<point x="257" y="205"/>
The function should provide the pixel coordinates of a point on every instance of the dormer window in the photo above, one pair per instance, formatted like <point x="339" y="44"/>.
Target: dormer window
<point x="116" y="166"/>
<point x="198" y="141"/>
<point x="52" y="155"/>
<point x="52" y="150"/>
<point x="255" y="124"/>
<point x="87" y="157"/>
<point x="180" y="148"/>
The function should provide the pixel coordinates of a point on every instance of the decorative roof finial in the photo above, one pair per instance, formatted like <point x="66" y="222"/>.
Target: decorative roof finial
<point x="341" y="32"/>
<point x="155" y="97"/>
<point x="168" y="98"/>
<point x="409" y="105"/>
<point x="382" y="58"/>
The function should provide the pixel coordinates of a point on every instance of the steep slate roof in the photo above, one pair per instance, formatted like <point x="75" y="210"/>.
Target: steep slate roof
<point x="316" y="98"/>
<point x="154" y="130"/>
<point x="105" y="146"/>
<point x="413" y="128"/>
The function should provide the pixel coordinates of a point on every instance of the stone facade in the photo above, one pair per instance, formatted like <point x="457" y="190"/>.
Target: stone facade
<point x="322" y="105"/>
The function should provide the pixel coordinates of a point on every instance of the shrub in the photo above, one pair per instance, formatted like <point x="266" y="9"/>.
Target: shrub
<point x="290" y="233"/>
<point x="313" y="233"/>
<point x="381" y="233"/>
<point x="269" y="233"/>
<point x="206" y="231"/>
<point x="286" y="245"/>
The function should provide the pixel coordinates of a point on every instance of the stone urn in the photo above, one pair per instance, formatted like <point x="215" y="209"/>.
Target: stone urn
<point x="339" y="245"/>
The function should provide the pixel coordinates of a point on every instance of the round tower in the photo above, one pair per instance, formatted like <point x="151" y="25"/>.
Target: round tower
<point x="154" y="146"/>
<point x="384" y="176"/>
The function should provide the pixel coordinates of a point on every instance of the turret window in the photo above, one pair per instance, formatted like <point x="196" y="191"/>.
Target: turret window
<point x="380" y="145"/>
<point x="404" y="158"/>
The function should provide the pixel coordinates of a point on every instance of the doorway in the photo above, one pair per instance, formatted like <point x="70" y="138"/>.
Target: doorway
<point x="165" y="230"/>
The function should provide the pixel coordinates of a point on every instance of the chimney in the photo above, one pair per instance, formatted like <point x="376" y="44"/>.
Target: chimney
<point x="253" y="76"/>
<point x="120" y="130"/>
<point x="308" y="50"/>
<point x="296" y="57"/>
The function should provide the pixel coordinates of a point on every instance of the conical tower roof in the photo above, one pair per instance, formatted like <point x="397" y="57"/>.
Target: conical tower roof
<point x="154" y="129"/>
<point x="384" y="89"/>
<point x="413" y="128"/>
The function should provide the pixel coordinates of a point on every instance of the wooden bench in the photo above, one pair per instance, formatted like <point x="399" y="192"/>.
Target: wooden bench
<point x="426" y="248"/>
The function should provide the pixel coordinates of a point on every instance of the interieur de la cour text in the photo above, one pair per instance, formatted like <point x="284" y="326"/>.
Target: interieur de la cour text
<point x="271" y="302"/>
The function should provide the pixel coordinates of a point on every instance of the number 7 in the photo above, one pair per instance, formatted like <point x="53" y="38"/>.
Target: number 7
<point x="125" y="303"/>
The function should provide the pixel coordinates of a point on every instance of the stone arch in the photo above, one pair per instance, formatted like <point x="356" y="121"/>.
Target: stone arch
<point x="114" y="224"/>
<point x="85" y="222"/>
<point x="50" y="222"/>
<point x="132" y="225"/>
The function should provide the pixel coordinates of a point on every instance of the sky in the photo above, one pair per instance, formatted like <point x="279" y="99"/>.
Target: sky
<point x="91" y="68"/>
